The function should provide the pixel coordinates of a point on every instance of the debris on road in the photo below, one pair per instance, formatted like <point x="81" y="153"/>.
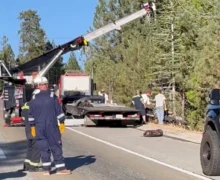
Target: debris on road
<point x="153" y="133"/>
<point x="174" y="132"/>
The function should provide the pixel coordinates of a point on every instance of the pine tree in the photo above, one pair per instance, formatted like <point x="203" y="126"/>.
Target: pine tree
<point x="33" y="37"/>
<point x="57" y="70"/>
<point x="6" y="53"/>
<point x="72" y="63"/>
<point x="152" y="52"/>
<point x="206" y="73"/>
<point x="120" y="60"/>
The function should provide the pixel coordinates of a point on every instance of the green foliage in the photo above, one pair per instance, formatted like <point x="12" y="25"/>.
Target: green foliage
<point x="6" y="53"/>
<point x="72" y="63"/>
<point x="119" y="63"/>
<point x="57" y="70"/>
<point x="34" y="43"/>
<point x="142" y="53"/>
<point x="33" y="37"/>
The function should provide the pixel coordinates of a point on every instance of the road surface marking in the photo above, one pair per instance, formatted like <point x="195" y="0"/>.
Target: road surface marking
<point x="2" y="154"/>
<point x="142" y="156"/>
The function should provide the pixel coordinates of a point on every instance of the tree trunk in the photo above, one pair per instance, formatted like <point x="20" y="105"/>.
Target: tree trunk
<point x="138" y="55"/>
<point x="183" y="105"/>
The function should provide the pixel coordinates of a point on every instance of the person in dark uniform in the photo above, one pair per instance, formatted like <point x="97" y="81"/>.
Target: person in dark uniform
<point x="9" y="101"/>
<point x="32" y="161"/>
<point x="138" y="102"/>
<point x="46" y="118"/>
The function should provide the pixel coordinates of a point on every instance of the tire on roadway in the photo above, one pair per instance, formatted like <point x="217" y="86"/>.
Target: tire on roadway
<point x="210" y="153"/>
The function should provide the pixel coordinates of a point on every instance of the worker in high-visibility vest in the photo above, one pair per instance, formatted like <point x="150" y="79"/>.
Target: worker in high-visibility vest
<point x="32" y="161"/>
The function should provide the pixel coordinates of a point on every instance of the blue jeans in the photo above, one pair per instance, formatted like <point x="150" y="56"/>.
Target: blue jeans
<point x="160" y="114"/>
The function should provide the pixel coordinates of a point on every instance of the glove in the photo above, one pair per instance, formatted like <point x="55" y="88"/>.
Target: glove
<point x="33" y="131"/>
<point x="62" y="128"/>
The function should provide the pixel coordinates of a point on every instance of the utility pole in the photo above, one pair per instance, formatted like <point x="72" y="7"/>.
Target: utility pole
<point x="173" y="63"/>
<point x="173" y="74"/>
<point x="92" y="70"/>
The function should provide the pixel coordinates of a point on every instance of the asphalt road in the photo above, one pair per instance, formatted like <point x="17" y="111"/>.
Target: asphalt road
<point x="108" y="154"/>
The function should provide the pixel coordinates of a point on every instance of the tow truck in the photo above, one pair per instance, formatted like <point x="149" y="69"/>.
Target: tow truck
<point x="19" y="82"/>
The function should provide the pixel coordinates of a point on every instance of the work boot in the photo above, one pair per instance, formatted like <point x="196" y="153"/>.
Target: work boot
<point x="64" y="172"/>
<point x="26" y="167"/>
<point x="35" y="169"/>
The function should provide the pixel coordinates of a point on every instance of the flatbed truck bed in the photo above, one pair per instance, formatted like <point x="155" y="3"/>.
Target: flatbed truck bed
<point x="101" y="113"/>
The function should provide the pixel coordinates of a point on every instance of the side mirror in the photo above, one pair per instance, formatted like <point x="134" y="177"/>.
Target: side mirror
<point x="215" y="94"/>
<point x="214" y="97"/>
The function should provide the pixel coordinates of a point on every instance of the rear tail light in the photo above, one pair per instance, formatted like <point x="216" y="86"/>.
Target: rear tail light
<point x="133" y="116"/>
<point x="16" y="120"/>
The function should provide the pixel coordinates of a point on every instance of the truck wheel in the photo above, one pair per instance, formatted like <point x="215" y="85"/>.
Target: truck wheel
<point x="210" y="153"/>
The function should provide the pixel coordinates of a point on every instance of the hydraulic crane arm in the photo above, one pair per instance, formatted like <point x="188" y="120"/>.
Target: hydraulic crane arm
<point x="32" y="65"/>
<point x="51" y="56"/>
<point x="115" y="25"/>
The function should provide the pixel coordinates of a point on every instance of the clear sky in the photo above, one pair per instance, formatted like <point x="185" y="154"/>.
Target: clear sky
<point x="62" y="20"/>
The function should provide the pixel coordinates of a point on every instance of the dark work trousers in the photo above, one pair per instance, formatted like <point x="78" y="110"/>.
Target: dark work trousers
<point x="33" y="152"/>
<point x="51" y="144"/>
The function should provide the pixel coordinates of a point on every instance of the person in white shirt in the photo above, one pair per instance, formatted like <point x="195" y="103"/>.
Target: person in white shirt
<point x="146" y="102"/>
<point x="106" y="98"/>
<point x="146" y="99"/>
<point x="105" y="95"/>
<point x="160" y="106"/>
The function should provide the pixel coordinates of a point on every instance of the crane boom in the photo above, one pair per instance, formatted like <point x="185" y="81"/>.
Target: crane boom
<point x="97" y="33"/>
<point x="19" y="75"/>
<point x="53" y="55"/>
<point x="115" y="25"/>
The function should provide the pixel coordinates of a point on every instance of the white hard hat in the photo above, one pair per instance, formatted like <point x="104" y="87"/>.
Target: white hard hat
<point x="40" y="80"/>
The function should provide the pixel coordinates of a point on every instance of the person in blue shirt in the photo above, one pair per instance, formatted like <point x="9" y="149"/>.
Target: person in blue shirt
<point x="46" y="119"/>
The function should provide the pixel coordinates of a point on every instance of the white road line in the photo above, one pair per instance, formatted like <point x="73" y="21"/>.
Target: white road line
<point x="140" y="155"/>
<point x="2" y="154"/>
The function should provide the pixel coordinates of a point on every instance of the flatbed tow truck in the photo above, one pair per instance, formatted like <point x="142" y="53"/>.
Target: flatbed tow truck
<point x="100" y="114"/>
<point x="83" y="107"/>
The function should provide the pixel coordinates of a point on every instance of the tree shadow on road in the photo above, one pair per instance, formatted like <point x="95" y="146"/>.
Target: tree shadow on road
<point x="15" y="153"/>
<point x="109" y="126"/>
<point x="16" y="174"/>
<point x="73" y="163"/>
